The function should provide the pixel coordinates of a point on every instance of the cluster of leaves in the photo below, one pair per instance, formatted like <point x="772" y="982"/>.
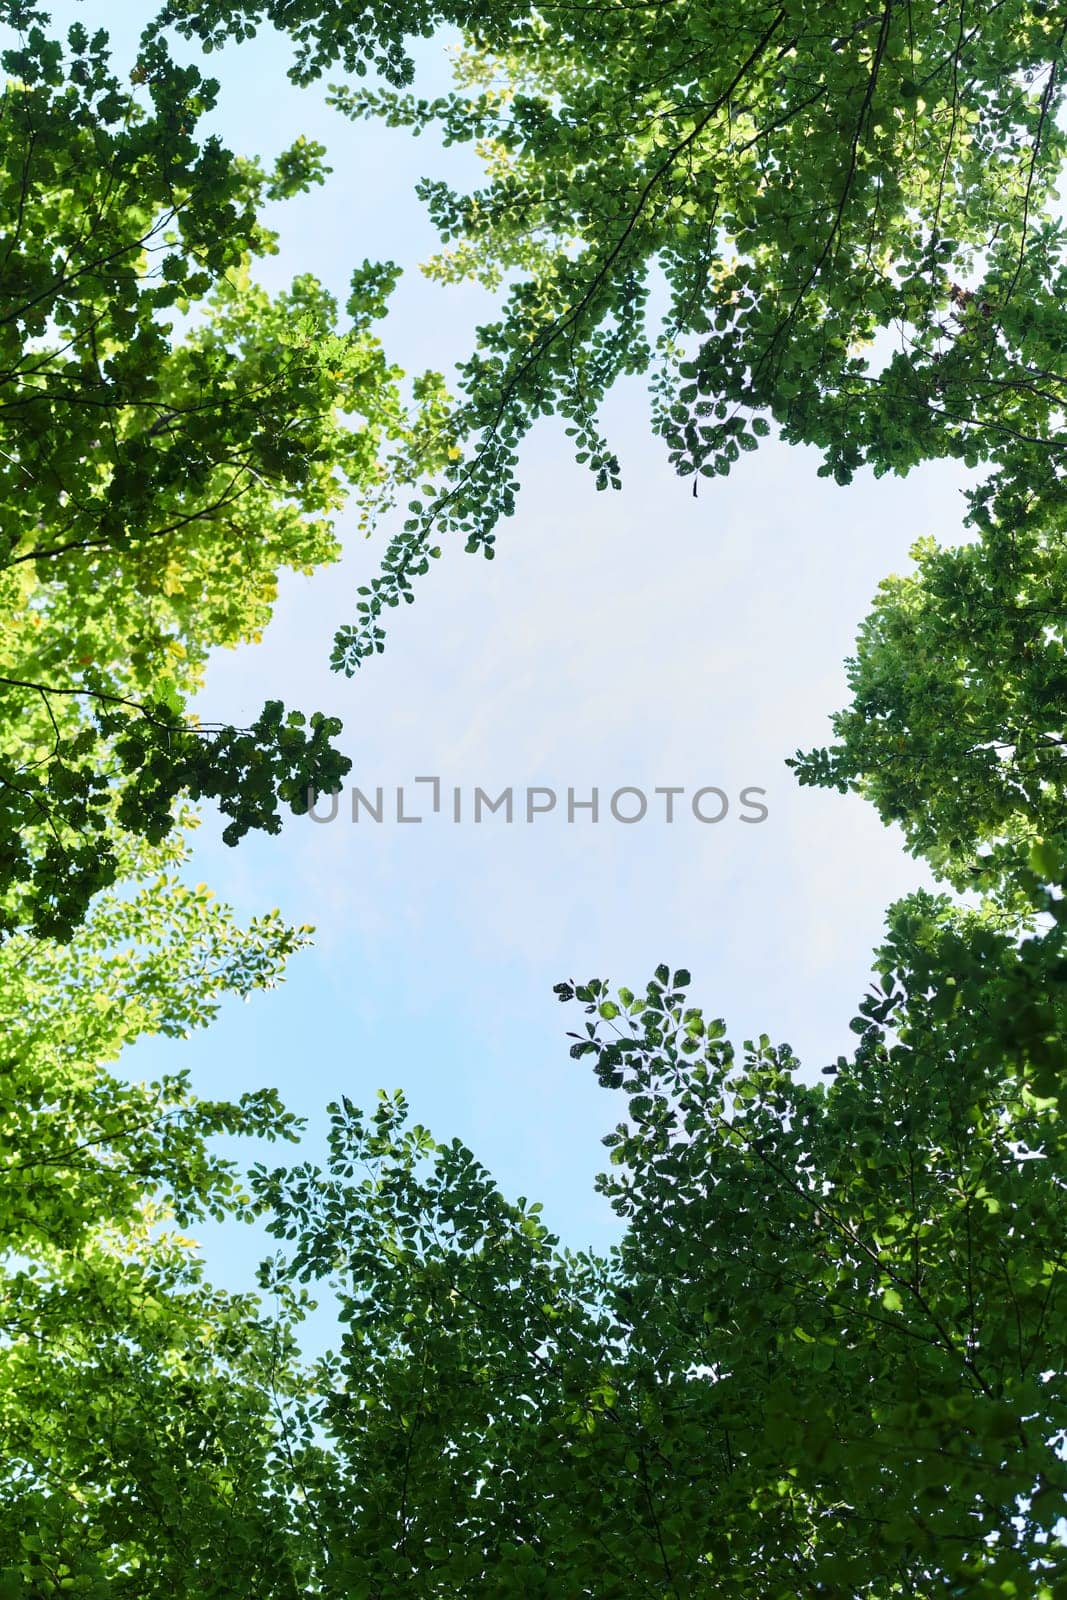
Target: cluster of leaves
<point x="121" y="773"/>
<point x="955" y="730"/>
<point x="137" y="1435"/>
<point x="827" y="1358"/>
<point x="360" y="35"/>
<point x="154" y="483"/>
<point x="846" y="219"/>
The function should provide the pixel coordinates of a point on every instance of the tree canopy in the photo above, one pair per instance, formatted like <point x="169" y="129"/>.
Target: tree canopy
<point x="955" y="730"/>
<point x="836" y="223"/>
<point x="172" y="438"/>
<point x="828" y="1356"/>
<point x="136" y="1431"/>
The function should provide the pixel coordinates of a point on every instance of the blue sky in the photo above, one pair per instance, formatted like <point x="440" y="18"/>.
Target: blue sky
<point x="642" y="638"/>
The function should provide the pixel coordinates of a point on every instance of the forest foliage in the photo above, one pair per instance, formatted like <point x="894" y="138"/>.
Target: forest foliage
<point x="828" y="1356"/>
